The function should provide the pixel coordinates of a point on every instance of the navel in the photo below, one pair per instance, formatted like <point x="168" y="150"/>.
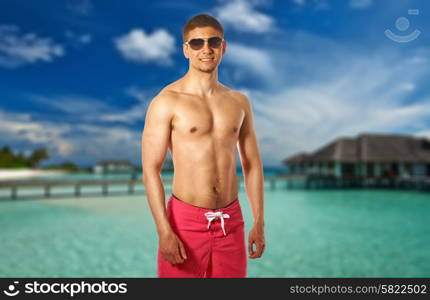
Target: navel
<point x="193" y="129"/>
<point x="234" y="129"/>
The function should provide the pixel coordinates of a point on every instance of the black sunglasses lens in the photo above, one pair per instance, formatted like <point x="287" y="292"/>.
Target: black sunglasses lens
<point x="214" y="42"/>
<point x="196" y="43"/>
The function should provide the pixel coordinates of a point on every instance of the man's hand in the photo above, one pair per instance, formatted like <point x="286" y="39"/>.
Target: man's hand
<point x="256" y="237"/>
<point x="172" y="249"/>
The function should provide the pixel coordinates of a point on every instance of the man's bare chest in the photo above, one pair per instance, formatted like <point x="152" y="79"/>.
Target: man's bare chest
<point x="196" y="118"/>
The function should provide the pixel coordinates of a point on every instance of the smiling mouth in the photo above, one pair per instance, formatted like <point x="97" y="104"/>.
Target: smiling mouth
<point x="206" y="59"/>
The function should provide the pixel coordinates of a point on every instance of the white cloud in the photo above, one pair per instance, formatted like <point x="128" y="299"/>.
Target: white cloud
<point x="338" y="92"/>
<point x="100" y="142"/>
<point x="73" y="104"/>
<point x="360" y="4"/>
<point x="80" y="134"/>
<point x="141" y="47"/>
<point x="242" y="16"/>
<point x="133" y="114"/>
<point x="81" y="108"/>
<point x="252" y="59"/>
<point x="19" y="127"/>
<point x="20" y="49"/>
<point x="80" y="142"/>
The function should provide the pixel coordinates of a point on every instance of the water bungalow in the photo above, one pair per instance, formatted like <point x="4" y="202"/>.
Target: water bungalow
<point x="367" y="159"/>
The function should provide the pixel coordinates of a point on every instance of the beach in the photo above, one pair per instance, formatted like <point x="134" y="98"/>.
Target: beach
<point x="14" y="174"/>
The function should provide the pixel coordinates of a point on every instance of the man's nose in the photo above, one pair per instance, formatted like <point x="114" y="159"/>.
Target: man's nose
<point x="206" y="47"/>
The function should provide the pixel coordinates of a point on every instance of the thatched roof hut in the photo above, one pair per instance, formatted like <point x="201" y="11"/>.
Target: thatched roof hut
<point x="369" y="148"/>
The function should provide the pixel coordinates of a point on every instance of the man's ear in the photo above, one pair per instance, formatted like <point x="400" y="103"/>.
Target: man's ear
<point x="224" y="47"/>
<point x="185" y="50"/>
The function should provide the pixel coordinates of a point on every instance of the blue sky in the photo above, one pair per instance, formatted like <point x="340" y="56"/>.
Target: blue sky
<point x="77" y="76"/>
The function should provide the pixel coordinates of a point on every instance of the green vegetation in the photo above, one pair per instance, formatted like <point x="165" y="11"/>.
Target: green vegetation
<point x="8" y="159"/>
<point x="68" y="166"/>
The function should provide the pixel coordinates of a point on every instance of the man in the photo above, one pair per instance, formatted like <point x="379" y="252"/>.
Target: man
<point x="201" y="234"/>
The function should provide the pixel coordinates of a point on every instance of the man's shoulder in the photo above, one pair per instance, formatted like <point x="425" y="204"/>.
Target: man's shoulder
<point x="231" y="92"/>
<point x="162" y="103"/>
<point x="239" y="96"/>
<point x="165" y="96"/>
<point x="171" y="92"/>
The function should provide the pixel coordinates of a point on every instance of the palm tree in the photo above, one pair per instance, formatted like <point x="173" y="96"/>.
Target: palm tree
<point x="37" y="156"/>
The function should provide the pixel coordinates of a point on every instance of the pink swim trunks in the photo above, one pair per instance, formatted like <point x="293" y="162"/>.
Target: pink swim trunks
<point x="214" y="241"/>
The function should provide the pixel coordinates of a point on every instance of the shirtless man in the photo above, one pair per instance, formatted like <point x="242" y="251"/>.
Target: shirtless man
<point x="201" y="234"/>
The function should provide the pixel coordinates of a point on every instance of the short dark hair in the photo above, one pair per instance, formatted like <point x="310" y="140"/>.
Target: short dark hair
<point x="201" y="20"/>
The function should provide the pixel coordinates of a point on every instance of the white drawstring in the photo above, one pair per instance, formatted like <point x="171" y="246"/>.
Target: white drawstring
<point x="212" y="216"/>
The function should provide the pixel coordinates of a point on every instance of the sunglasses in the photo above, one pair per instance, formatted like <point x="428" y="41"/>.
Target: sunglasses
<point x="197" y="44"/>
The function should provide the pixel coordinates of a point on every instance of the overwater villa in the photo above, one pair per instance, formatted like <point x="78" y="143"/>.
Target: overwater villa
<point x="367" y="156"/>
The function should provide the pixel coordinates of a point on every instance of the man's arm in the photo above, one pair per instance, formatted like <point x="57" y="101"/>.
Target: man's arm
<point x="254" y="179"/>
<point x="155" y="142"/>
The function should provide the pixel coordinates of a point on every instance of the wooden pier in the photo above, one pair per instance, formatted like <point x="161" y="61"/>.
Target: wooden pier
<point x="102" y="185"/>
<point x="271" y="183"/>
<point x="77" y="185"/>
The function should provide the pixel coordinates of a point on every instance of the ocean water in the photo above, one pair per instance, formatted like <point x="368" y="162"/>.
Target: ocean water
<point x="314" y="233"/>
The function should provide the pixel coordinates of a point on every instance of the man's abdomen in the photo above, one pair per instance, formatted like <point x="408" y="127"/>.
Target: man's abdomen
<point x="207" y="180"/>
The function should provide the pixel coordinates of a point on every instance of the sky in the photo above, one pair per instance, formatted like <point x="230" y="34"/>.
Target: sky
<point x="77" y="76"/>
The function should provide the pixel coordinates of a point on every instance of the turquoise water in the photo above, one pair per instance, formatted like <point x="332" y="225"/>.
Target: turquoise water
<point x="341" y="233"/>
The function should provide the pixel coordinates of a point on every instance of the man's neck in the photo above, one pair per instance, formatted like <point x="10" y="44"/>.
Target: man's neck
<point x="201" y="83"/>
